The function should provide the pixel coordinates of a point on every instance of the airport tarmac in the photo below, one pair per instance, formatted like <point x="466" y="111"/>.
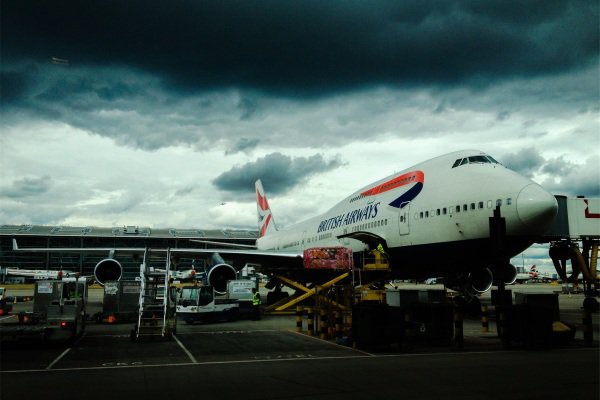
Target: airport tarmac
<point x="267" y="359"/>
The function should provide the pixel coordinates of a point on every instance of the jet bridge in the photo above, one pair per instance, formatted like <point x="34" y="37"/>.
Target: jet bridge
<point x="574" y="237"/>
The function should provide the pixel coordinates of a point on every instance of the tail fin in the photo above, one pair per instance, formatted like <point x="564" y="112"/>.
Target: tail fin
<point x="266" y="224"/>
<point x="533" y="272"/>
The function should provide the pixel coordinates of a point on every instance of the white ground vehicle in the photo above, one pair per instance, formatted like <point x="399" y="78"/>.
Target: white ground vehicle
<point x="200" y="303"/>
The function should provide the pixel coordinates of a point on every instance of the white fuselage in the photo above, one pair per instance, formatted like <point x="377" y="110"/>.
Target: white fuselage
<point x="436" y="206"/>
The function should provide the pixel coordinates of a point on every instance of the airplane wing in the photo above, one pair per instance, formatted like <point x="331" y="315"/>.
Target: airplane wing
<point x="239" y="257"/>
<point x="224" y="244"/>
<point x="110" y="250"/>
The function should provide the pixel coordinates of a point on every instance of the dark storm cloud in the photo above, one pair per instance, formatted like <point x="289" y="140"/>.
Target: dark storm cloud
<point x="26" y="187"/>
<point x="242" y="145"/>
<point x="562" y="176"/>
<point x="304" y="48"/>
<point x="278" y="172"/>
<point x="525" y="161"/>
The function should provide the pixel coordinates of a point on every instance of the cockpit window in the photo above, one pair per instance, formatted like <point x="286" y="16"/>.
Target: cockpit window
<point x="480" y="159"/>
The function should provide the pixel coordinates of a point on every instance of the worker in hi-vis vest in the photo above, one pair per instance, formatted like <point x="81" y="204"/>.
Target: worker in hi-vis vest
<point x="256" y="303"/>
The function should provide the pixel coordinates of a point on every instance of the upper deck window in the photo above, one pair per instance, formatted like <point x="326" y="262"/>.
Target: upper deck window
<point x="480" y="159"/>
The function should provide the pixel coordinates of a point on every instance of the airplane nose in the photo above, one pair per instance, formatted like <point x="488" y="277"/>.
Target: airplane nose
<point x="536" y="208"/>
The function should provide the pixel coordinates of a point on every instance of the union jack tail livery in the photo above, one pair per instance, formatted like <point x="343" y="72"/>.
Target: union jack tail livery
<point x="533" y="272"/>
<point x="266" y="224"/>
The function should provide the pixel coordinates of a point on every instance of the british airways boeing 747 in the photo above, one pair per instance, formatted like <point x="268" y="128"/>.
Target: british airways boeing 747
<point x="432" y="219"/>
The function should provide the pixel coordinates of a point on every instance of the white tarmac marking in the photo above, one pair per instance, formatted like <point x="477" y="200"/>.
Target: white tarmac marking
<point x="186" y="351"/>
<point x="333" y="344"/>
<point x="64" y="353"/>
<point x="57" y="359"/>
<point x="464" y="354"/>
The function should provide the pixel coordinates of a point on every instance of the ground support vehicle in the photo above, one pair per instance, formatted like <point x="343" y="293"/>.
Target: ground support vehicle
<point x="120" y="302"/>
<point x="200" y="303"/>
<point x="59" y="312"/>
<point x="5" y="304"/>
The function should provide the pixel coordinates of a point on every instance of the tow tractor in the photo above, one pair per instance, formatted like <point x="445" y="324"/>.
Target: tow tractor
<point x="202" y="303"/>
<point x="59" y="309"/>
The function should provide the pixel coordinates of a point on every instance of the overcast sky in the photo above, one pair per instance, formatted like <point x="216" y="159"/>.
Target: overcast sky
<point x="163" y="114"/>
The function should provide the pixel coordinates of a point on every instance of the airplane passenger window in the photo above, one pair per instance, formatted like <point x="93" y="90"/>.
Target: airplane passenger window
<point x="444" y="211"/>
<point x="499" y="203"/>
<point x="464" y="207"/>
<point x="472" y="206"/>
<point x="480" y="205"/>
<point x="509" y="201"/>
<point x="457" y="209"/>
<point x="426" y="214"/>
<point x="489" y="204"/>
<point x="421" y="215"/>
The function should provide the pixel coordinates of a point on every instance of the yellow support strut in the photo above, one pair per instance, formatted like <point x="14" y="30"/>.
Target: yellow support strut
<point x="309" y="292"/>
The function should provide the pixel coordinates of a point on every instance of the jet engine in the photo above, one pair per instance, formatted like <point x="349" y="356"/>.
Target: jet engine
<point x="480" y="281"/>
<point x="219" y="273"/>
<point x="473" y="283"/>
<point x="108" y="269"/>
<point x="506" y="274"/>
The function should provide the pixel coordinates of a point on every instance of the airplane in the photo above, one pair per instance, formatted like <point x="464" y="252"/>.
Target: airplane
<point x="432" y="219"/>
<point x="40" y="274"/>
<point x="108" y="271"/>
<point x="524" y="277"/>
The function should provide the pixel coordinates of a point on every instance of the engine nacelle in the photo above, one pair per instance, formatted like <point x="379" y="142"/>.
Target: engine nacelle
<point x="219" y="274"/>
<point x="480" y="281"/>
<point x="506" y="274"/>
<point x="108" y="269"/>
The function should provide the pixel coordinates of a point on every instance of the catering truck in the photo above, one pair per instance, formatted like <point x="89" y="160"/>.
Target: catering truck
<point x="200" y="303"/>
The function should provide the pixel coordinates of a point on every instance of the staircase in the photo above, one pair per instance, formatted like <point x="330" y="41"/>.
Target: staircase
<point x="157" y="301"/>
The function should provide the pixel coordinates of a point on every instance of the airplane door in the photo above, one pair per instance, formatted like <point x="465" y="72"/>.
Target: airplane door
<point x="403" y="218"/>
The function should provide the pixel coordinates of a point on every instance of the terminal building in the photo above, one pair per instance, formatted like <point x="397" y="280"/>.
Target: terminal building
<point x="102" y="237"/>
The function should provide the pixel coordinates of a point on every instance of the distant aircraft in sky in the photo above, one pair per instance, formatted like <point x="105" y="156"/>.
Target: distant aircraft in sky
<point x="432" y="219"/>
